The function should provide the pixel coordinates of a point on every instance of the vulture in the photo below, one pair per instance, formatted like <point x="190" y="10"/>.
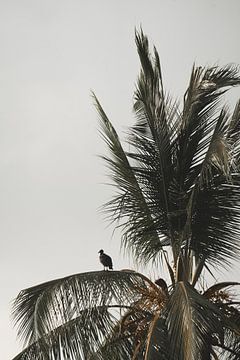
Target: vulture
<point x="162" y="284"/>
<point x="105" y="260"/>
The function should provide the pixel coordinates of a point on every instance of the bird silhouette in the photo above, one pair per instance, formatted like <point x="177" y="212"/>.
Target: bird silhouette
<point x="105" y="260"/>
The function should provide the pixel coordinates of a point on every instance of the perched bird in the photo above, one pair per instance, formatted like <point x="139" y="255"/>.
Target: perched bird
<point x="162" y="284"/>
<point x="105" y="260"/>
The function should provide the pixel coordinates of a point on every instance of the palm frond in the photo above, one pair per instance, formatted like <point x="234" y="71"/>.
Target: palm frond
<point x="193" y="322"/>
<point x="121" y="343"/>
<point x="119" y="348"/>
<point x="234" y="139"/>
<point x="215" y="230"/>
<point x="75" y="339"/>
<point x="234" y="127"/>
<point x="229" y="343"/>
<point x="153" y="147"/>
<point x="42" y="308"/>
<point x="157" y="344"/>
<point x="217" y="287"/>
<point x="202" y="130"/>
<point x="232" y="341"/>
<point x="136" y="332"/>
<point x="140" y="233"/>
<point x="217" y="156"/>
<point x="215" y="178"/>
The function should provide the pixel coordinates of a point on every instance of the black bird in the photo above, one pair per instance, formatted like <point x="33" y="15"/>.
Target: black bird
<point x="105" y="260"/>
<point x="162" y="284"/>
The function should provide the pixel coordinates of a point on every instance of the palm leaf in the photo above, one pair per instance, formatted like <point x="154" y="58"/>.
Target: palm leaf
<point x="153" y="136"/>
<point x="158" y="345"/>
<point x="140" y="233"/>
<point x="42" y="308"/>
<point x="230" y="344"/>
<point x="192" y="321"/>
<point x="215" y="231"/>
<point x="75" y="339"/>
<point x="234" y="126"/>
<point x="203" y="145"/>
<point x="121" y="343"/>
<point x="217" y="287"/>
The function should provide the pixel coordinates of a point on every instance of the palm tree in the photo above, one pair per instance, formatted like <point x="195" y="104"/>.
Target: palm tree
<point x="177" y="205"/>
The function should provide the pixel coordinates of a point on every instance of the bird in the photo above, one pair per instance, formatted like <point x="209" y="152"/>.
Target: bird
<point x="162" y="284"/>
<point x="105" y="260"/>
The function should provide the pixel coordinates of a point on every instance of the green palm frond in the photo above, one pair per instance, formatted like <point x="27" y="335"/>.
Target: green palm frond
<point x="204" y="133"/>
<point x="75" y="339"/>
<point x="193" y="323"/>
<point x="119" y="348"/>
<point x="150" y="102"/>
<point x="41" y="309"/>
<point x="217" y="156"/>
<point x="213" y="212"/>
<point x="198" y="121"/>
<point x="204" y="151"/>
<point x="123" y="341"/>
<point x="141" y="233"/>
<point x="155" y="145"/>
<point x="215" y="230"/>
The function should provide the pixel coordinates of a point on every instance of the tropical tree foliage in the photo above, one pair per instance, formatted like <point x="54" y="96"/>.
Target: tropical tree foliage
<point x="177" y="205"/>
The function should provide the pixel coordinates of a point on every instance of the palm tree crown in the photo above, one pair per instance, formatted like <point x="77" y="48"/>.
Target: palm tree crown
<point x="177" y="203"/>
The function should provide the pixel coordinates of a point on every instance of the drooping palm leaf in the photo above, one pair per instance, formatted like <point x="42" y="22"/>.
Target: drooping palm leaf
<point x="193" y="322"/>
<point x="75" y="339"/>
<point x="124" y="342"/>
<point x="41" y="309"/>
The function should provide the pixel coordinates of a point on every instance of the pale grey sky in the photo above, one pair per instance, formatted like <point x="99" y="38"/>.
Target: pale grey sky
<point x="53" y="52"/>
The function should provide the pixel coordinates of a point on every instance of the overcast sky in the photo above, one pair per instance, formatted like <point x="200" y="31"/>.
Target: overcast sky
<point x="53" y="53"/>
